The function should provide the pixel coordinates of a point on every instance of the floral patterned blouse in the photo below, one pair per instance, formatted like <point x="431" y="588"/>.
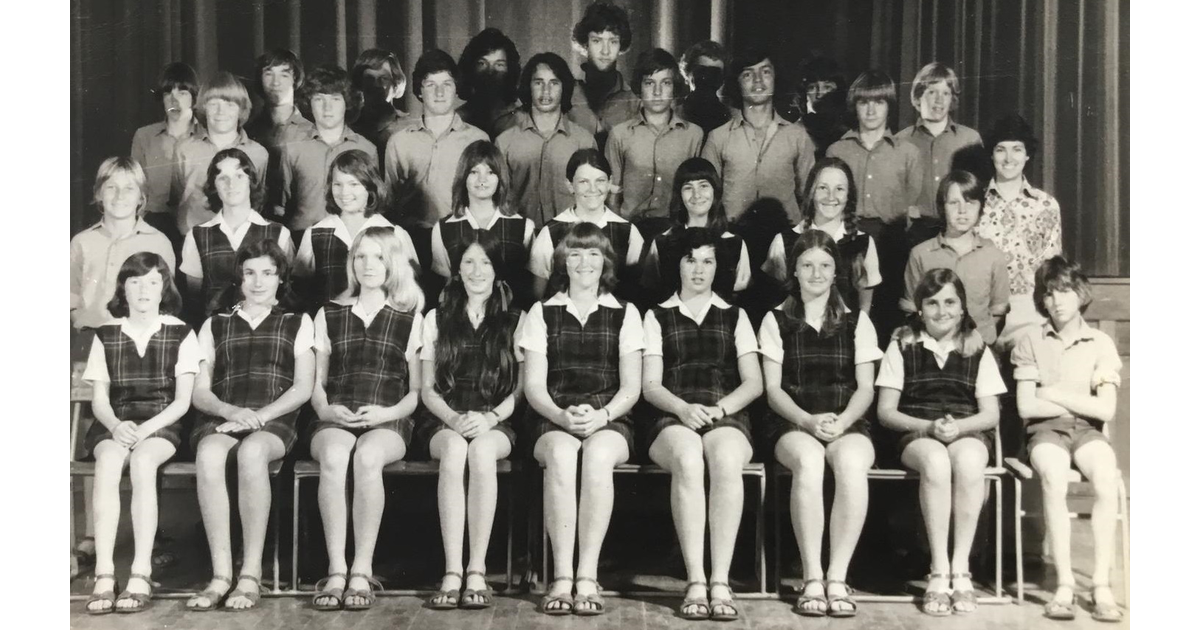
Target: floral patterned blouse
<point x="1028" y="229"/>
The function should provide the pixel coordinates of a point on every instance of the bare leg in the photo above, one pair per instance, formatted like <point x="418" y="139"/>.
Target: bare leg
<point x="602" y="451"/>
<point x="254" y="504"/>
<point x="680" y="451"/>
<point x="450" y="449"/>
<point x="213" y="494"/>
<point x="331" y="448"/>
<point x="482" y="456"/>
<point x="1053" y="464"/>
<point x="968" y="458"/>
<point x="850" y="457"/>
<point x="376" y="448"/>
<point x="930" y="459"/>
<point x="558" y="452"/>
<point x="727" y="451"/>
<point x="1098" y="462"/>
<point x="106" y="510"/>
<point x="804" y="455"/>
<point x="144" y="462"/>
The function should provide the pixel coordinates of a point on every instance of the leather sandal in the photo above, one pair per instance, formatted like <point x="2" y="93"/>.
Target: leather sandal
<point x="699" y="607"/>
<point x="141" y="599"/>
<point x="103" y="596"/>
<point x="476" y="599"/>
<point x="446" y="600"/>
<point x="963" y="597"/>
<point x="718" y="602"/>
<point x="1107" y="613"/>
<point x="364" y="593"/>
<point x="252" y="596"/>
<point x="564" y="603"/>
<point x="821" y="610"/>
<point x="324" y="593"/>
<point x="214" y="597"/>
<point x="940" y="598"/>
<point x="1059" y="610"/>
<point x="588" y="605"/>
<point x="848" y="598"/>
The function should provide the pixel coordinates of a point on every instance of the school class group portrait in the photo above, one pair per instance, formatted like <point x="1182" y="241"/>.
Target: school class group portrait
<point x="571" y="269"/>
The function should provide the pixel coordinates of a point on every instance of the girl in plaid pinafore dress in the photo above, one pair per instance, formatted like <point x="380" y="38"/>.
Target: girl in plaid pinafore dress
<point x="701" y="371"/>
<point x="256" y="371"/>
<point x="938" y="388"/>
<point x="583" y="369"/>
<point x="818" y="362"/>
<point x="142" y="367"/>
<point x="368" y="385"/>
<point x="472" y="387"/>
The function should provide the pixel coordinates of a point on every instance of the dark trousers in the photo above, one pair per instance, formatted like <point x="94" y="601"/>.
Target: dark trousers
<point x="891" y="244"/>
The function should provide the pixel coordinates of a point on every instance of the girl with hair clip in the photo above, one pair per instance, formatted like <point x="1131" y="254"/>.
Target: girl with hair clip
<point x="696" y="206"/>
<point x="472" y="386"/>
<point x="701" y="368"/>
<point x="583" y="370"/>
<point x="830" y="202"/>
<point x="938" y="395"/>
<point x="481" y="202"/>
<point x="210" y="248"/>
<point x="354" y="196"/>
<point x="256" y="370"/>
<point x="818" y="362"/>
<point x="367" y="388"/>
<point x="142" y="367"/>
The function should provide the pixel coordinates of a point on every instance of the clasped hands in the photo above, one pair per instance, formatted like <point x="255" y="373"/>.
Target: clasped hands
<point x="944" y="429"/>
<point x="583" y="420"/>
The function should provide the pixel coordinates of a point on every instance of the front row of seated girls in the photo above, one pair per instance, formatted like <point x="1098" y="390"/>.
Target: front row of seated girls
<point x="587" y="356"/>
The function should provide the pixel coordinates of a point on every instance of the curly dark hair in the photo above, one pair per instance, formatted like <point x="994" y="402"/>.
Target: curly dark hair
<point x="488" y="40"/>
<point x="603" y="16"/>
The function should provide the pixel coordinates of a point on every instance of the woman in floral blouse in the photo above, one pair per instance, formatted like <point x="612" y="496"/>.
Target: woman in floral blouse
<point x="1021" y="220"/>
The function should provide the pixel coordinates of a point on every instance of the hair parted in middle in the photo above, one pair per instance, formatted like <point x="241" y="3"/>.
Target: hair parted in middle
<point x="476" y="153"/>
<point x="835" y="306"/>
<point x="601" y="16"/>
<point x="561" y="70"/>
<point x="967" y="339"/>
<point x="357" y="164"/>
<point x="400" y="286"/>
<point x="247" y="167"/>
<point x="232" y="295"/>
<point x="484" y="43"/>
<point x="110" y="167"/>
<point x="872" y="85"/>
<point x="698" y="169"/>
<point x="583" y="235"/>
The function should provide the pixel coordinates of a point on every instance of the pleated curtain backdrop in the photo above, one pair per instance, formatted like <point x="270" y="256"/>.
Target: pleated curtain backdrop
<point x="1063" y="64"/>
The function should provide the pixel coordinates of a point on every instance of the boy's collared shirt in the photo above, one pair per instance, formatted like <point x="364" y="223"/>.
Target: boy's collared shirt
<point x="304" y="171"/>
<point x="305" y="263"/>
<point x="888" y="176"/>
<point x="537" y="165"/>
<point x="441" y="258"/>
<point x="866" y="342"/>
<point x="619" y="105"/>
<point x="208" y="349"/>
<point x="187" y="361"/>
<point x="778" y="167"/>
<point x="891" y="369"/>
<point x="192" y="157"/>
<point x="378" y="127"/>
<point x="532" y="336"/>
<point x="541" y="255"/>
<point x="420" y="169"/>
<point x="96" y="259"/>
<point x="1079" y="364"/>
<point x="1028" y="229"/>
<point x="644" y="162"/>
<point x="743" y="333"/>
<point x="937" y="157"/>
<point x="983" y="271"/>
<point x="154" y="149"/>
<point x="274" y="137"/>
<point x="190" y="258"/>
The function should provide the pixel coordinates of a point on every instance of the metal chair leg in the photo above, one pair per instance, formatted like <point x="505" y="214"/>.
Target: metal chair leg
<point x="1018" y="517"/>
<point x="275" y="500"/>
<point x="999" y="534"/>
<point x="295" y="532"/>
<point x="508" y="572"/>
<point x="778" y="534"/>
<point x="760" y="535"/>
<point x="1123" y="506"/>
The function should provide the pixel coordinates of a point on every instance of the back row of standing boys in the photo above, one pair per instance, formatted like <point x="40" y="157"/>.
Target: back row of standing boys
<point x="503" y="205"/>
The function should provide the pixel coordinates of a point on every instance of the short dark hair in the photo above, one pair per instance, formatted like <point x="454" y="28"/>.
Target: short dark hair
<point x="592" y="157"/>
<point x="177" y="75"/>
<point x="691" y="241"/>
<point x="744" y="59"/>
<point x="433" y="62"/>
<point x="1060" y="274"/>
<point x="486" y="41"/>
<point x="653" y="60"/>
<point x="707" y="48"/>
<point x="690" y="170"/>
<point x="821" y="69"/>
<point x="872" y="85"/>
<point x="278" y="57"/>
<point x="136" y="266"/>
<point x="244" y="163"/>
<point x="1013" y="127"/>
<point x="603" y="16"/>
<point x="251" y="249"/>
<point x="971" y="187"/>
<point x="357" y="164"/>
<point x="328" y="80"/>
<point x="559" y="67"/>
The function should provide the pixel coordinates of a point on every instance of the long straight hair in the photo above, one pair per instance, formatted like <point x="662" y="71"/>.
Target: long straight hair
<point x="401" y="288"/>
<point x="690" y="170"/>
<point x="793" y="306"/>
<point x="498" y="378"/>
<point x="476" y="153"/>
<point x="808" y="211"/>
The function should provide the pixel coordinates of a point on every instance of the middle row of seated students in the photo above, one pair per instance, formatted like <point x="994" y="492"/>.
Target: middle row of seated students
<point x="587" y="356"/>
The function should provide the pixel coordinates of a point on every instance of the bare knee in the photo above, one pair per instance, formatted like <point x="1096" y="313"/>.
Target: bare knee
<point x="725" y="461"/>
<point x="144" y="465"/>
<point x="252" y="456"/>
<point x="369" y="459"/>
<point x="933" y="465"/>
<point x="451" y="452"/>
<point x="333" y="458"/>
<point x="688" y="464"/>
<point x="559" y="453"/>
<point x="482" y="456"/>
<point x="210" y="462"/>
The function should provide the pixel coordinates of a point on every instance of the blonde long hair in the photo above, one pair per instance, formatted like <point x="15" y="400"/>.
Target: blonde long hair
<point x="401" y="287"/>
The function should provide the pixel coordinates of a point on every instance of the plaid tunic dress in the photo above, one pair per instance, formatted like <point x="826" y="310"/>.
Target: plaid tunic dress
<point x="514" y="255"/>
<point x="931" y="392"/>
<point x="140" y="387"/>
<point x="367" y="365"/>
<point x="818" y="373"/>
<point x="700" y="366"/>
<point x="850" y="247"/>
<point x="329" y="264"/>
<point x="218" y="258"/>
<point x="670" y="245"/>
<point x="583" y="366"/>
<point x="253" y="368"/>
<point x="465" y="395"/>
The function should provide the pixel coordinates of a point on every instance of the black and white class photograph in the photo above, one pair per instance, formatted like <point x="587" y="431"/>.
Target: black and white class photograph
<point x="443" y="314"/>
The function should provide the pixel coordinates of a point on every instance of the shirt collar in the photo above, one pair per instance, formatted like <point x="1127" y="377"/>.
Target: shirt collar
<point x="737" y="119"/>
<point x="676" y="122"/>
<point x="139" y="227"/>
<point x="677" y="302"/>
<point x="815" y="325"/>
<point x="837" y="233"/>
<point x="470" y="219"/>
<point x="348" y="134"/>
<point x="1027" y="189"/>
<point x="161" y="127"/>
<point x="853" y="134"/>
<point x="562" y="299"/>
<point x="951" y="126"/>
<point x="976" y="240"/>
<point x="253" y="321"/>
<point x="525" y="121"/>
<point x="569" y="216"/>
<point x="456" y="124"/>
<point x="219" y="221"/>
<point x="242" y="139"/>
<point x="140" y="337"/>
<point x="941" y="350"/>
<point x="1085" y="333"/>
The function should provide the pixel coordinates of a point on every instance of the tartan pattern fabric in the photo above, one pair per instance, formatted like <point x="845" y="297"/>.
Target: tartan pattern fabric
<point x="367" y="365"/>
<point x="931" y="392"/>
<point x="617" y="233"/>
<point x="818" y="370"/>
<point x="254" y="366"/>
<point x="670" y="246"/>
<point x="218" y="258"/>
<point x="141" y="387"/>
<point x="465" y="395"/>
<point x="699" y="360"/>
<point x="329" y="257"/>
<point x="584" y="360"/>
<point x="514" y="255"/>
<point x="849" y="247"/>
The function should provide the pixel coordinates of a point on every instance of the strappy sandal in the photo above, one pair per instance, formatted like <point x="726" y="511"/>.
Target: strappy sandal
<point x="103" y="596"/>
<point x="844" y="599"/>
<point x="214" y="598"/>
<point x="939" y="598"/>
<point x="476" y="599"/>
<point x="1060" y="611"/>
<point x="588" y="605"/>
<point x="251" y="596"/>
<point x="325" y="593"/>
<point x="698" y="605"/>
<point x="565" y="605"/>
<point x="141" y="599"/>
<point x="446" y="600"/>
<point x="820" y="611"/>
<point x="963" y="597"/>
<point x="365" y="593"/>
<point x="717" y="602"/>
<point x="1107" y="613"/>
